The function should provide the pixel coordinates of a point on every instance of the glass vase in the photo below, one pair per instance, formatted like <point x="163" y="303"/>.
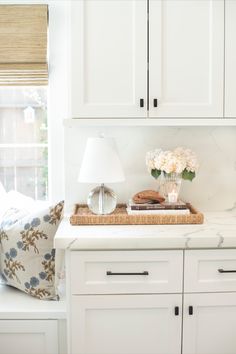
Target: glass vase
<point x="170" y="186"/>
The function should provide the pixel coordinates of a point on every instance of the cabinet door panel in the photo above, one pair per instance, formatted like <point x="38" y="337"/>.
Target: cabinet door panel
<point x="109" y="58"/>
<point x="28" y="337"/>
<point x="211" y="329"/>
<point x="230" y="59"/>
<point x="186" y="58"/>
<point x="125" y="324"/>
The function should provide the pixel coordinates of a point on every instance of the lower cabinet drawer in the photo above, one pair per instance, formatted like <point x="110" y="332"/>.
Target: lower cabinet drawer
<point x="125" y="272"/>
<point x="210" y="270"/>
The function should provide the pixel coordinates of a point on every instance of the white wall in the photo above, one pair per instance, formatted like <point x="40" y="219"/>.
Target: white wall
<point x="214" y="188"/>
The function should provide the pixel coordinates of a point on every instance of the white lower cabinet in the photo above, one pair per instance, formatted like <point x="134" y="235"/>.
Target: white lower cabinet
<point x="28" y="337"/>
<point x="209" y="325"/>
<point x="125" y="319"/>
<point x="126" y="324"/>
<point x="126" y="272"/>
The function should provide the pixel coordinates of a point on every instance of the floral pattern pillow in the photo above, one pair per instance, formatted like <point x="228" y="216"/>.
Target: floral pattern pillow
<point x="27" y="256"/>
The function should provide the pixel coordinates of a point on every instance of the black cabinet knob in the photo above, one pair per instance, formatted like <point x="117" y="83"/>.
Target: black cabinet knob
<point x="141" y="103"/>
<point x="190" y="310"/>
<point x="176" y="310"/>
<point x="155" y="102"/>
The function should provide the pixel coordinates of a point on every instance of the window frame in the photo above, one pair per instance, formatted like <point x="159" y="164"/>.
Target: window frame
<point x="58" y="91"/>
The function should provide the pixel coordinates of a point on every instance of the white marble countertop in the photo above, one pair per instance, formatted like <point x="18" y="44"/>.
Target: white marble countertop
<point x="218" y="231"/>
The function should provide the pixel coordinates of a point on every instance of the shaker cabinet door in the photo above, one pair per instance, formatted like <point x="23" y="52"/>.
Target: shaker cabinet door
<point x="186" y="58"/>
<point x="209" y="324"/>
<point x="28" y="337"/>
<point x="109" y="58"/>
<point x="125" y="324"/>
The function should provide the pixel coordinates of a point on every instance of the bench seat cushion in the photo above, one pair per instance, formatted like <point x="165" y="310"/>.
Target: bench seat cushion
<point x="16" y="305"/>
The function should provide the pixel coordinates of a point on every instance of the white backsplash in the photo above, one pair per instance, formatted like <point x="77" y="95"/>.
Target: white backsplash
<point x="213" y="189"/>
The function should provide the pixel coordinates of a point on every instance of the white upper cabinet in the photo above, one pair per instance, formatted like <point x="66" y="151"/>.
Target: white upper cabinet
<point x="230" y="59"/>
<point x="156" y="58"/>
<point x="109" y="58"/>
<point x="186" y="58"/>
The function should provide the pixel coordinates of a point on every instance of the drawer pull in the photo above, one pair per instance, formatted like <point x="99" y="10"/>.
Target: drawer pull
<point x="142" y="273"/>
<point x="227" y="271"/>
<point x="190" y="310"/>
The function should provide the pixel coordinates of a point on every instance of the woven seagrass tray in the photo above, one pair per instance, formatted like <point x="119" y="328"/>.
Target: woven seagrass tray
<point x="83" y="216"/>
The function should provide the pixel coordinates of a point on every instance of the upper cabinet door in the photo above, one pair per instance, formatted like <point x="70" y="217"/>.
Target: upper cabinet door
<point x="109" y="58"/>
<point x="230" y="59"/>
<point x="186" y="58"/>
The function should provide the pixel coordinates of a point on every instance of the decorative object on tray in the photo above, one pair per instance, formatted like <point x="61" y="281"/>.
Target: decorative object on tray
<point x="83" y="216"/>
<point x="101" y="164"/>
<point x="150" y="202"/>
<point x="148" y="196"/>
<point x="165" y="208"/>
<point x="172" y="167"/>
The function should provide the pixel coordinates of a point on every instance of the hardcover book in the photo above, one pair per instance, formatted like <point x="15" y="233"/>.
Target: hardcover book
<point x="159" y="212"/>
<point x="180" y="205"/>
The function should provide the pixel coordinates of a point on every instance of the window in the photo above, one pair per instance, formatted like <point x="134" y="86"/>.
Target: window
<point x="24" y="68"/>
<point x="23" y="99"/>
<point x="24" y="140"/>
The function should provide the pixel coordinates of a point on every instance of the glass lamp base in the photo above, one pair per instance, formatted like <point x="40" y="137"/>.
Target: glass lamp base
<point x="102" y="200"/>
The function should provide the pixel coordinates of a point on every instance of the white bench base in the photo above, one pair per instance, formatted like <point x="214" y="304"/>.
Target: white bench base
<point x="29" y="325"/>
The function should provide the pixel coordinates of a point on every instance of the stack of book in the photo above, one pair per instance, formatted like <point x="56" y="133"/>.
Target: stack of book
<point x="179" y="208"/>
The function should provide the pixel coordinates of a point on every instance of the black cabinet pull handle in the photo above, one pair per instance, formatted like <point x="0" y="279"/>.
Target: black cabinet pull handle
<point x="226" y="271"/>
<point x="155" y="102"/>
<point x="141" y="102"/>
<point x="141" y="273"/>
<point x="176" y="310"/>
<point x="190" y="310"/>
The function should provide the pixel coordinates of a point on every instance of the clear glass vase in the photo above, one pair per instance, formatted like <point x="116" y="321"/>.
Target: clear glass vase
<point x="170" y="185"/>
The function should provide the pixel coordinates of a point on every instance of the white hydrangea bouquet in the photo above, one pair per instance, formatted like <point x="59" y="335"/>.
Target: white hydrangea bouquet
<point x="180" y="161"/>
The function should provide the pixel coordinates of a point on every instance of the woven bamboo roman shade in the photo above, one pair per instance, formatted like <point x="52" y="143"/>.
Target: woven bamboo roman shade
<point x="23" y="45"/>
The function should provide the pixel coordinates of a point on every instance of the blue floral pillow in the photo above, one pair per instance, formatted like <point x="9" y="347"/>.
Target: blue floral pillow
<point x="27" y="256"/>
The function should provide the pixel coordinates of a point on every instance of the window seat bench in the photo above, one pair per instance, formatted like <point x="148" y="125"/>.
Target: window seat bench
<point x="29" y="325"/>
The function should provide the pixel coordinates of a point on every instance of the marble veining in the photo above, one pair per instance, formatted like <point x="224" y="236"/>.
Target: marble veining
<point x="218" y="231"/>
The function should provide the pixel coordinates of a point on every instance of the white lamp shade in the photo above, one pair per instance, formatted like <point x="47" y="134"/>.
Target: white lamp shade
<point x="101" y="162"/>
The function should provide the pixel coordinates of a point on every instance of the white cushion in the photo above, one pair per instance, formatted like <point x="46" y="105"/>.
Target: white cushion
<point x="16" y="200"/>
<point x="16" y="305"/>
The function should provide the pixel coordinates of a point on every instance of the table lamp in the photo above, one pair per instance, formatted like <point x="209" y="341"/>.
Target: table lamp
<point x="101" y="164"/>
